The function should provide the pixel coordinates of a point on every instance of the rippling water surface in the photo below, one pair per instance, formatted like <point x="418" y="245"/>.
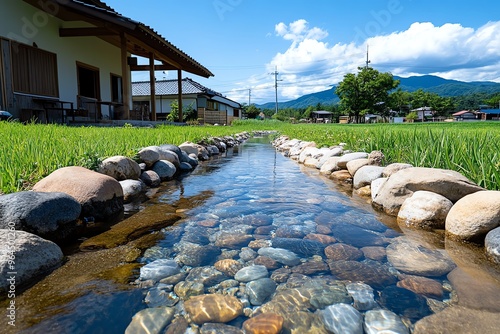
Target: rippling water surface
<point x="319" y="245"/>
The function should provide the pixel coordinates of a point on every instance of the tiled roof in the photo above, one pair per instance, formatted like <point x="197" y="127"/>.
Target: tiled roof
<point x="169" y="87"/>
<point x="146" y="33"/>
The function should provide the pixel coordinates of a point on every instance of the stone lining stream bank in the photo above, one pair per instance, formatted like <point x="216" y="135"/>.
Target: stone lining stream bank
<point x="421" y="198"/>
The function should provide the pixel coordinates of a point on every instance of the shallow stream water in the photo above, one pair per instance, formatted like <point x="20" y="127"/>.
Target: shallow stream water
<point x="338" y="250"/>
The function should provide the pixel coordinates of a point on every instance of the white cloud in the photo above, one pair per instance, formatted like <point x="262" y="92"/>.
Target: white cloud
<point x="451" y="51"/>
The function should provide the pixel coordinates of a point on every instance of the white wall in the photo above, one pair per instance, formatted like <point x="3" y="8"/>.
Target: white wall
<point x="26" y="24"/>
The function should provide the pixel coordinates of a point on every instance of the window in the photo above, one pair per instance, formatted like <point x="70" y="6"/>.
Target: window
<point x="34" y="71"/>
<point x="116" y="89"/>
<point x="212" y="105"/>
<point x="88" y="81"/>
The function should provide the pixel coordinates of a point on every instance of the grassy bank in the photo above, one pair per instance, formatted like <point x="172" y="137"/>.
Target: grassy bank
<point x="31" y="152"/>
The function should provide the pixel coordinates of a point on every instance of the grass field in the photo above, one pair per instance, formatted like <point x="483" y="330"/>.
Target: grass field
<point x="31" y="152"/>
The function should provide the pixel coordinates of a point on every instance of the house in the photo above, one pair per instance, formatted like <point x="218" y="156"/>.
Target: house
<point x="488" y="113"/>
<point x="322" y="116"/>
<point x="467" y="115"/>
<point x="67" y="59"/>
<point x="211" y="107"/>
<point x="423" y="112"/>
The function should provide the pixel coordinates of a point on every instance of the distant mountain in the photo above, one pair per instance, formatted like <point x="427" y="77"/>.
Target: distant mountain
<point x="445" y="87"/>
<point x="327" y="97"/>
<point x="428" y="83"/>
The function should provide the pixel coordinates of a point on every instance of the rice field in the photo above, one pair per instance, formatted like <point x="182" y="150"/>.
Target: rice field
<point x="30" y="152"/>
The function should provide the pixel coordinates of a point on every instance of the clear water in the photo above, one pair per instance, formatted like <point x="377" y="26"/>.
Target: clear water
<point x="254" y="179"/>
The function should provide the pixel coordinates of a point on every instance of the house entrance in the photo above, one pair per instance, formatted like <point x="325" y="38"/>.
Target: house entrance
<point x="89" y="92"/>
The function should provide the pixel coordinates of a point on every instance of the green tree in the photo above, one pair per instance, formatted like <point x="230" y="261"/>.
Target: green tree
<point x="187" y="112"/>
<point x="494" y="101"/>
<point x="252" y="111"/>
<point x="365" y="92"/>
<point x="399" y="100"/>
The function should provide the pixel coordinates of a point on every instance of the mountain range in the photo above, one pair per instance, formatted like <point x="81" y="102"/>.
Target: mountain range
<point x="428" y="83"/>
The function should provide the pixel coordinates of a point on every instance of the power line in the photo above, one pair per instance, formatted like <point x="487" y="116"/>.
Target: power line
<point x="275" y="73"/>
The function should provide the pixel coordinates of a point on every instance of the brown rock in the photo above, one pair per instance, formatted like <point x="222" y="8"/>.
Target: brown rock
<point x="341" y="176"/>
<point x="422" y="286"/>
<point x="376" y="276"/>
<point x="344" y="252"/>
<point x="228" y="266"/>
<point x="265" y="323"/>
<point x="233" y="240"/>
<point x="213" y="308"/>
<point x="365" y="191"/>
<point x="264" y="229"/>
<point x="374" y="253"/>
<point x="281" y="275"/>
<point x="311" y="268"/>
<point x="475" y="290"/>
<point x="266" y="262"/>
<point x="101" y="196"/>
<point x="261" y="243"/>
<point x="154" y="217"/>
<point x="323" y="238"/>
<point x="459" y="320"/>
<point x="323" y="229"/>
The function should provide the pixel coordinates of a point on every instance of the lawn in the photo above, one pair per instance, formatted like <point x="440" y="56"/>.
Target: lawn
<point x="31" y="152"/>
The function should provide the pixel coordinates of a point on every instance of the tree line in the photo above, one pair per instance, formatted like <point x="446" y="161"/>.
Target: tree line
<point x="370" y="92"/>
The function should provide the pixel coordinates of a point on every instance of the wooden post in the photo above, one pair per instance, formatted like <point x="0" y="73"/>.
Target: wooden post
<point x="152" y="82"/>
<point x="179" y="91"/>
<point x="125" y="76"/>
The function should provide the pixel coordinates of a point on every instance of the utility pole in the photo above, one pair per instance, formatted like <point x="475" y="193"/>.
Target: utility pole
<point x="249" y="95"/>
<point x="367" y="59"/>
<point x="275" y="73"/>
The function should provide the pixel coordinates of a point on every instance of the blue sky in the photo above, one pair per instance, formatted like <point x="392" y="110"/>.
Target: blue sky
<point x="314" y="43"/>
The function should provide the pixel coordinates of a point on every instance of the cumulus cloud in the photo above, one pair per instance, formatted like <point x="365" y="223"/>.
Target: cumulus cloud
<point x="452" y="51"/>
<point x="298" y="31"/>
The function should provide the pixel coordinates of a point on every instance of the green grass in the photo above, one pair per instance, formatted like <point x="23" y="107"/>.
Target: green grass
<point x="30" y="152"/>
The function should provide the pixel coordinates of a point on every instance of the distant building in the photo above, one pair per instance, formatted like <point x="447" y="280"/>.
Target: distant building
<point x="467" y="115"/>
<point x="211" y="107"/>
<point x="489" y="113"/>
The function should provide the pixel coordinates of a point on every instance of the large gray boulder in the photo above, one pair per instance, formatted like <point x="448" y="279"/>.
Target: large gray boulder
<point x="165" y="169"/>
<point x="27" y="257"/>
<point x="132" y="189"/>
<point x="425" y="210"/>
<point x="473" y="216"/>
<point x="365" y="175"/>
<point x="120" y="168"/>
<point x="342" y="163"/>
<point x="492" y="244"/>
<point x="149" y="155"/>
<point x="405" y="182"/>
<point x="101" y="196"/>
<point x="172" y="148"/>
<point x="330" y="165"/>
<point x="170" y="156"/>
<point x="49" y="215"/>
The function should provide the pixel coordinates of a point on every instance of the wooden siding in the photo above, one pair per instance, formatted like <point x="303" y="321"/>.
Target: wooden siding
<point x="34" y="71"/>
<point x="212" y="117"/>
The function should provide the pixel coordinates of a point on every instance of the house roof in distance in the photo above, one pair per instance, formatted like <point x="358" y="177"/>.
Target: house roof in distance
<point x="170" y="88"/>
